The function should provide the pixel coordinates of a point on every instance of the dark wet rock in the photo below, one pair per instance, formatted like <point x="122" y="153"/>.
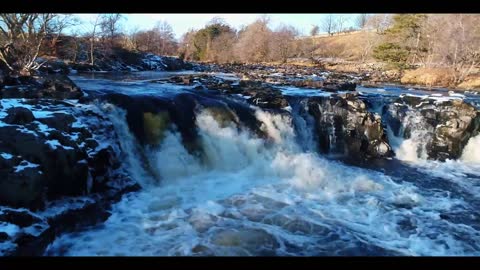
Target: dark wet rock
<point x="255" y="241"/>
<point x="327" y="85"/>
<point x="19" y="116"/>
<point x="447" y="125"/>
<point x="102" y="164"/>
<point x="3" y="236"/>
<point x="173" y="63"/>
<point x="122" y="60"/>
<point x="181" y="111"/>
<point x="344" y="126"/>
<point x="29" y="235"/>
<point x="261" y="94"/>
<point x="10" y="81"/>
<point x="60" y="171"/>
<point x="22" y="188"/>
<point x="60" y="87"/>
<point x="334" y="86"/>
<point x="41" y="166"/>
<point x="59" y="121"/>
<point x="2" y="78"/>
<point x="53" y="67"/>
<point x="21" y="218"/>
<point x="83" y="67"/>
<point x="56" y="86"/>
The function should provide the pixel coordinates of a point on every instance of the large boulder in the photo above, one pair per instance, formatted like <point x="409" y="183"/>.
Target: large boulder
<point x="54" y="86"/>
<point x="59" y="86"/>
<point x="327" y="85"/>
<point x="46" y="165"/>
<point x="19" y="116"/>
<point x="21" y="182"/>
<point x="58" y="166"/>
<point x="446" y="126"/>
<point x="345" y="127"/>
<point x="59" y="121"/>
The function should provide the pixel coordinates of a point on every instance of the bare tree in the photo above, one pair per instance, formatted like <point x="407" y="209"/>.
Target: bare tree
<point x="92" y="38"/>
<point x="281" y="47"/>
<point x="130" y="41"/>
<point x="222" y="48"/>
<point x="366" y="43"/>
<point x="328" y="24"/>
<point x="339" y="24"/>
<point x="315" y="30"/>
<point x="110" y="25"/>
<point x="166" y="38"/>
<point x="58" y="24"/>
<point x="361" y="20"/>
<point x="253" y="43"/>
<point x="216" y="20"/>
<point x="186" y="49"/>
<point x="379" y="22"/>
<point x="22" y="35"/>
<point x="456" y="42"/>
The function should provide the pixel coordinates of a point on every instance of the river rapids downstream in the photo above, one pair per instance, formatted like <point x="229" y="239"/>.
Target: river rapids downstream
<point x="365" y="172"/>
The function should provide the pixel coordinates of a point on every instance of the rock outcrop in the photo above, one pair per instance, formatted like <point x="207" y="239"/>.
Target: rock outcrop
<point x="345" y="127"/>
<point x="56" y="86"/>
<point x="446" y="125"/>
<point x="52" y="153"/>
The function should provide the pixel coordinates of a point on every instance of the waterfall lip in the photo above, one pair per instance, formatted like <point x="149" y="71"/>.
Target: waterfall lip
<point x="247" y="194"/>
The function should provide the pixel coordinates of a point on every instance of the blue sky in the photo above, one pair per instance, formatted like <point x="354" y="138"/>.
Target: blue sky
<point x="181" y="23"/>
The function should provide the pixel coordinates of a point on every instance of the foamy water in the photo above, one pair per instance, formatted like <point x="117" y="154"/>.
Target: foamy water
<point x="251" y="196"/>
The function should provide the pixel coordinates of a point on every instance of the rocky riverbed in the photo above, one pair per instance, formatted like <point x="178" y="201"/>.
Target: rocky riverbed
<point x="72" y="147"/>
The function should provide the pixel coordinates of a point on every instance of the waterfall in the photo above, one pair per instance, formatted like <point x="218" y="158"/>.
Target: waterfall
<point x="414" y="134"/>
<point x="471" y="152"/>
<point x="228" y="178"/>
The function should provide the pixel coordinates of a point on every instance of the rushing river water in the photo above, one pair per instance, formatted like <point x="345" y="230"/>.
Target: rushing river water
<point x="246" y="196"/>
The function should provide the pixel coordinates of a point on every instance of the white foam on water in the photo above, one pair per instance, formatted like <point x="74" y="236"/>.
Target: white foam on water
<point x="25" y="164"/>
<point x="249" y="196"/>
<point x="471" y="152"/>
<point x="128" y="144"/>
<point x="6" y="155"/>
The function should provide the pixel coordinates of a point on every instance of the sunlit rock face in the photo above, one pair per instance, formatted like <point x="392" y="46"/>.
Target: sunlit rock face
<point x="344" y="126"/>
<point x="437" y="128"/>
<point x="245" y="164"/>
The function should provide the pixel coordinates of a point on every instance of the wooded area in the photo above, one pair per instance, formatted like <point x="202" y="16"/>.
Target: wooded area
<point x="401" y="41"/>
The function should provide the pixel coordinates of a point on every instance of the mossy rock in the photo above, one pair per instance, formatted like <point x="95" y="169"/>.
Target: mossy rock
<point x="223" y="116"/>
<point x="155" y="126"/>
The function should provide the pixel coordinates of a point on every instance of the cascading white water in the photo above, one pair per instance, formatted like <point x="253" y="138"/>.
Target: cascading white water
<point x="250" y="196"/>
<point x="304" y="125"/>
<point x="471" y="152"/>
<point x="130" y="148"/>
<point x="414" y="148"/>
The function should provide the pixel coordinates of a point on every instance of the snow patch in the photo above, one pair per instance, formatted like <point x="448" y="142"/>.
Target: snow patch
<point x="24" y="165"/>
<point x="9" y="228"/>
<point x="6" y="156"/>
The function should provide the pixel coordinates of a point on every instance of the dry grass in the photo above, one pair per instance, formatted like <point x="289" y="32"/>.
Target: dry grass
<point x="348" y="46"/>
<point x="430" y="77"/>
<point x="471" y="83"/>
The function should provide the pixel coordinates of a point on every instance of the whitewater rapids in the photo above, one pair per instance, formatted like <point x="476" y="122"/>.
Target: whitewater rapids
<point x="271" y="196"/>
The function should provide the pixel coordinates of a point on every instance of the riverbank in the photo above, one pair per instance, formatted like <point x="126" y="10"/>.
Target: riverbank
<point x="72" y="149"/>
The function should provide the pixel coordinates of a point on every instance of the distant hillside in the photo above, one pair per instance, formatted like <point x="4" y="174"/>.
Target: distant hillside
<point x="352" y="46"/>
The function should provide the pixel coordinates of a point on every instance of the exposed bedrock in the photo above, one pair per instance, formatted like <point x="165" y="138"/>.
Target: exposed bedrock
<point x="443" y="126"/>
<point x="344" y="126"/>
<point x="59" y="169"/>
